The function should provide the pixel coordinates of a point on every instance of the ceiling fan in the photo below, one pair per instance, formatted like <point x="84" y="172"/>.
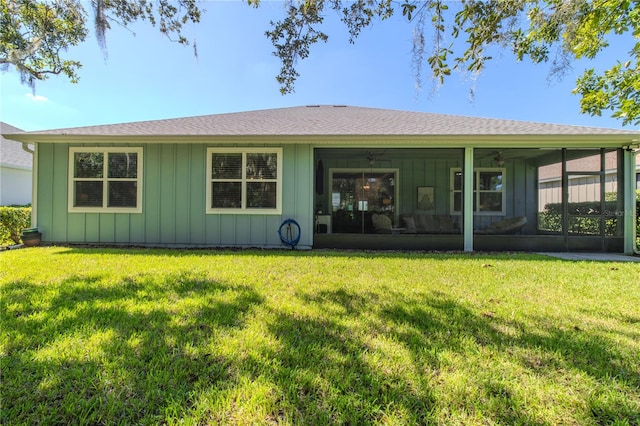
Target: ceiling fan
<point x="372" y="157"/>
<point x="499" y="157"/>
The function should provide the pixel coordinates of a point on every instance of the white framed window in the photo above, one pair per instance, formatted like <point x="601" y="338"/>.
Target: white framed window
<point x="105" y="180"/>
<point x="489" y="195"/>
<point x="244" y="180"/>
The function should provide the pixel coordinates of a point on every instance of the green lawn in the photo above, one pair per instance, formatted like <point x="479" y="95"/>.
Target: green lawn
<point x="110" y="336"/>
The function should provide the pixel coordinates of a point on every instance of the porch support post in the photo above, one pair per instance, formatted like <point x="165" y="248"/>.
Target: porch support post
<point x="629" y="202"/>
<point x="467" y="197"/>
<point x="34" y="187"/>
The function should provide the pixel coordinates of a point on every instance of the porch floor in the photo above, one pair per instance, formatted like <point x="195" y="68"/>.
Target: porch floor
<point x="455" y="242"/>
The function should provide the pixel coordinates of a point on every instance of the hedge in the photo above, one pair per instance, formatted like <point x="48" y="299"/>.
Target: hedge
<point x="584" y="217"/>
<point x="12" y="221"/>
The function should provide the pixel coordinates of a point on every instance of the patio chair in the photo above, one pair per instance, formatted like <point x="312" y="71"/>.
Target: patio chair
<point x="382" y="223"/>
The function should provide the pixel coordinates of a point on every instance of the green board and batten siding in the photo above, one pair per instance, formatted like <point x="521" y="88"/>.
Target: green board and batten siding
<point x="173" y="205"/>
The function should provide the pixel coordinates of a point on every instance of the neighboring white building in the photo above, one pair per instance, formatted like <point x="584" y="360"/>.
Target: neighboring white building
<point x="582" y="187"/>
<point x="16" y="166"/>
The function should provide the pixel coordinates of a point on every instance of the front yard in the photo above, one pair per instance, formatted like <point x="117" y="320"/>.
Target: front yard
<point x="135" y="336"/>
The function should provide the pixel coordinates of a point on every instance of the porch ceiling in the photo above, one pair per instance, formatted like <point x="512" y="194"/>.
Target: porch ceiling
<point x="537" y="156"/>
<point x="382" y="154"/>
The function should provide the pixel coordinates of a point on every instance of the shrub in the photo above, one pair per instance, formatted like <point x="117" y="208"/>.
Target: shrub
<point x="584" y="217"/>
<point x="12" y="221"/>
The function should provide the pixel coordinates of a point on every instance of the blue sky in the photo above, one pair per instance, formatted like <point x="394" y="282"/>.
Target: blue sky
<point x="147" y="77"/>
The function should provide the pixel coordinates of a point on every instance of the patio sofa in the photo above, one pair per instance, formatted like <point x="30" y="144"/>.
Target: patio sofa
<point x="429" y="224"/>
<point x="511" y="225"/>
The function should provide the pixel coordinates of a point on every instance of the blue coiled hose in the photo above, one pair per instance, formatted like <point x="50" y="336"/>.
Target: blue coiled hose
<point x="291" y="237"/>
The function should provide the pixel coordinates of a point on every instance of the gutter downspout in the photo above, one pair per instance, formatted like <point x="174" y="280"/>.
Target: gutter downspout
<point x="34" y="181"/>
<point x="25" y="147"/>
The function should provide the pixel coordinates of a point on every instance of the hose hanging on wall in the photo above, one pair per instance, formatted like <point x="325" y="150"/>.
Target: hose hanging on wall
<point x="289" y="232"/>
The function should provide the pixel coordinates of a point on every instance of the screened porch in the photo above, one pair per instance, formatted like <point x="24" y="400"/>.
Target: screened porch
<point x="547" y="199"/>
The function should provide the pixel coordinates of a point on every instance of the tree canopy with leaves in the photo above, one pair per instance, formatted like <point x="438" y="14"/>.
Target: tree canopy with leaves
<point x="447" y="37"/>
<point x="35" y="34"/>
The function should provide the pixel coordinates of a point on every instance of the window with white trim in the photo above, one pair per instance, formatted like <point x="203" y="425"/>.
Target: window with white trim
<point x="105" y="180"/>
<point x="489" y="196"/>
<point x="244" y="180"/>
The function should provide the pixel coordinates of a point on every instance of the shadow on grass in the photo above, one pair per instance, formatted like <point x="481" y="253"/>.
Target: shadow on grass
<point x="335" y="382"/>
<point x="112" y="355"/>
<point x="544" y="350"/>
<point x="366" y="358"/>
<point x="431" y="326"/>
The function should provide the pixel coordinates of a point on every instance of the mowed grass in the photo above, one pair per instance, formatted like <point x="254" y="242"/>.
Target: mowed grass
<point x="135" y="336"/>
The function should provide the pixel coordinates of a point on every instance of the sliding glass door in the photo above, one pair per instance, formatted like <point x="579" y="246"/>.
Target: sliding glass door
<point x="357" y="194"/>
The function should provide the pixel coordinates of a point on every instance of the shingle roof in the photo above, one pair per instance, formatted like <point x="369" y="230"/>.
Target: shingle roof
<point x="329" y="120"/>
<point x="11" y="152"/>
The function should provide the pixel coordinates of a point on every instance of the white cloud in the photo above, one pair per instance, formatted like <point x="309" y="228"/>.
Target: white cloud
<point x="37" y="98"/>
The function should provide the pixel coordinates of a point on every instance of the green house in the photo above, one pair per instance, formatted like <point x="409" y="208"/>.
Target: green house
<point x="350" y="177"/>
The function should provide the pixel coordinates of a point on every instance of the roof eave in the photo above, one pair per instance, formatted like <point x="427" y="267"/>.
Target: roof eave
<point x="448" y="140"/>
